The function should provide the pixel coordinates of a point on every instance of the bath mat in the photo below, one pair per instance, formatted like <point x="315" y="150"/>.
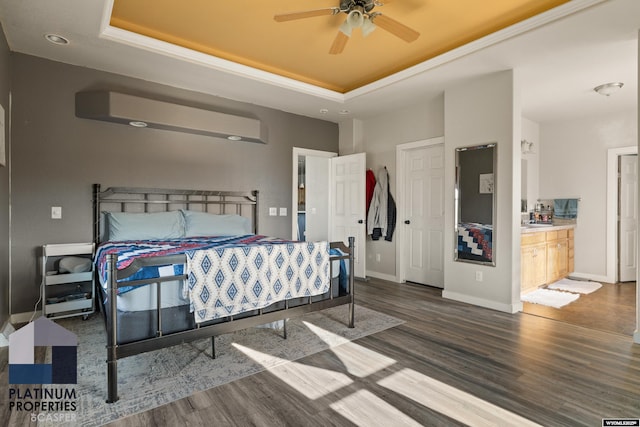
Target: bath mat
<point x="575" y="286"/>
<point x="551" y="298"/>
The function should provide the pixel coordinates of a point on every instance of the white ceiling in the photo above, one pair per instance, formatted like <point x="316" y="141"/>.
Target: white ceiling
<point x="559" y="57"/>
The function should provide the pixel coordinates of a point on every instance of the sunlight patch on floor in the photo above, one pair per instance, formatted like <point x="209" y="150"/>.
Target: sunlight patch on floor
<point x="450" y="401"/>
<point x="358" y="360"/>
<point x="363" y="408"/>
<point x="310" y="381"/>
<point x="328" y="337"/>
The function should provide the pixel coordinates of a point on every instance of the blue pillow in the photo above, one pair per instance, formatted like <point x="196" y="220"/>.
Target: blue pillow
<point x="206" y="224"/>
<point x="144" y="226"/>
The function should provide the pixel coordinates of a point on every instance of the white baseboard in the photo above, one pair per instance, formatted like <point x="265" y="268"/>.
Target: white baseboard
<point x="506" y="308"/>
<point x="382" y="276"/>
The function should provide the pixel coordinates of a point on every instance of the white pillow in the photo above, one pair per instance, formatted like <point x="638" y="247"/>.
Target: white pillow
<point x="206" y="224"/>
<point x="144" y="226"/>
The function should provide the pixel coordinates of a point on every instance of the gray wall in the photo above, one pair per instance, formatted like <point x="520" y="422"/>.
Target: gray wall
<point x="4" y="182"/>
<point x="57" y="157"/>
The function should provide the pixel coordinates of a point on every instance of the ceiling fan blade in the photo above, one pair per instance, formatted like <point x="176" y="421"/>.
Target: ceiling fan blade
<point x="394" y="27"/>
<point x="282" y="17"/>
<point x="339" y="43"/>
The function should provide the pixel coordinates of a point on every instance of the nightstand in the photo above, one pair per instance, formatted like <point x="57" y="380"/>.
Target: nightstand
<point x="67" y="280"/>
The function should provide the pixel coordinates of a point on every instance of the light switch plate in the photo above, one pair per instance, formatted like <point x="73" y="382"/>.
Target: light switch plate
<point x="273" y="211"/>
<point x="283" y="211"/>
<point x="56" y="212"/>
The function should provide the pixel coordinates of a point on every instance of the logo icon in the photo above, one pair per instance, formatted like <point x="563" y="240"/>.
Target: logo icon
<point x="43" y="332"/>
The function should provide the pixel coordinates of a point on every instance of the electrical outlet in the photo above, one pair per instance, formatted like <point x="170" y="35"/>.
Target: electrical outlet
<point x="378" y="257"/>
<point x="273" y="211"/>
<point x="478" y="276"/>
<point x="56" y="212"/>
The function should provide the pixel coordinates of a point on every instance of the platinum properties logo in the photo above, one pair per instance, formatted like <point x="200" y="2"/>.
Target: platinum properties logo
<point x="56" y="404"/>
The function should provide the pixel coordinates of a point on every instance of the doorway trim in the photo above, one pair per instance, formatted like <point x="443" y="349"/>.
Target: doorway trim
<point x="401" y="153"/>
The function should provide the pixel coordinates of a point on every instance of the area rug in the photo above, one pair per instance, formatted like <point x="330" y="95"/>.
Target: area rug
<point x="153" y="379"/>
<point x="576" y="286"/>
<point x="550" y="297"/>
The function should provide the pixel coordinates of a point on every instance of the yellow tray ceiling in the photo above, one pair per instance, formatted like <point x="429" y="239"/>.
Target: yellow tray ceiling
<point x="245" y="32"/>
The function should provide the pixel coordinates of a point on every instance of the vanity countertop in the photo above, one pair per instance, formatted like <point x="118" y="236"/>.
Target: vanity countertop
<point x="535" y="228"/>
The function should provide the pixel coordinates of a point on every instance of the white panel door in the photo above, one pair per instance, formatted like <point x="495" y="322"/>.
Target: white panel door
<point x="424" y="215"/>
<point x="628" y="217"/>
<point x="348" y="211"/>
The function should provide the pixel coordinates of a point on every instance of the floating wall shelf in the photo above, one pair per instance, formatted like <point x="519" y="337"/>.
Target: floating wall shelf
<point x="143" y="112"/>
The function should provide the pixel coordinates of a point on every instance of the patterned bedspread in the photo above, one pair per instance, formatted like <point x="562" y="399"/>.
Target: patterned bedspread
<point x="224" y="282"/>
<point x="229" y="275"/>
<point x="475" y="239"/>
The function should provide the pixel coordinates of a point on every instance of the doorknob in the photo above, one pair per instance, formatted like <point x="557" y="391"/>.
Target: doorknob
<point x="360" y="221"/>
<point x="407" y="222"/>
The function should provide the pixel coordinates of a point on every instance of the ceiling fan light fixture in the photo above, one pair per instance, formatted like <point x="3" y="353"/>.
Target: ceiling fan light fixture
<point x="367" y="27"/>
<point x="346" y="28"/>
<point x="355" y="18"/>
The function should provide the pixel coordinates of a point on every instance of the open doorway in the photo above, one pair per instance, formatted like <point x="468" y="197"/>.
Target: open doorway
<point x="613" y="307"/>
<point x="328" y="195"/>
<point x="310" y="196"/>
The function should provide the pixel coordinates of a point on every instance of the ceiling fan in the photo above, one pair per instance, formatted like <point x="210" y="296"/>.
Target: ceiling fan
<point x="359" y="15"/>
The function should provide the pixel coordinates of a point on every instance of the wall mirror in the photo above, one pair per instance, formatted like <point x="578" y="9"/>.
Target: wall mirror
<point x="475" y="199"/>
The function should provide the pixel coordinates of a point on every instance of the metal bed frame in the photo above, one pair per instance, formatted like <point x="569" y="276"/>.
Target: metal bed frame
<point x="129" y="199"/>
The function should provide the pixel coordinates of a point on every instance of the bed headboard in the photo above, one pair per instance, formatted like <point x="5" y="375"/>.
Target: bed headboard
<point x="132" y="199"/>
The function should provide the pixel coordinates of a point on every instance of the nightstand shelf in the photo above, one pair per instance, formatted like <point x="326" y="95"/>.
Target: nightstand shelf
<point x="66" y="294"/>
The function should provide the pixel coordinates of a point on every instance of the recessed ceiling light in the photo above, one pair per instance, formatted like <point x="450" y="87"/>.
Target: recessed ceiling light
<point x="56" y="39"/>
<point x="137" y="124"/>
<point x="234" y="137"/>
<point x="608" y="88"/>
<point x="343" y="112"/>
<point x="324" y="110"/>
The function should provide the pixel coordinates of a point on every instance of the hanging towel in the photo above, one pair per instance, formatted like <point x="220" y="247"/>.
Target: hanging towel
<point x="565" y="208"/>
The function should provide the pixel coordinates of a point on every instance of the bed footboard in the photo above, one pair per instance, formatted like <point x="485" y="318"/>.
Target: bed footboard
<point x="116" y="350"/>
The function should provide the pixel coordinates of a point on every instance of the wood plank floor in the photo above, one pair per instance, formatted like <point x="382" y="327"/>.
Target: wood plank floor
<point x="611" y="308"/>
<point x="449" y="364"/>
